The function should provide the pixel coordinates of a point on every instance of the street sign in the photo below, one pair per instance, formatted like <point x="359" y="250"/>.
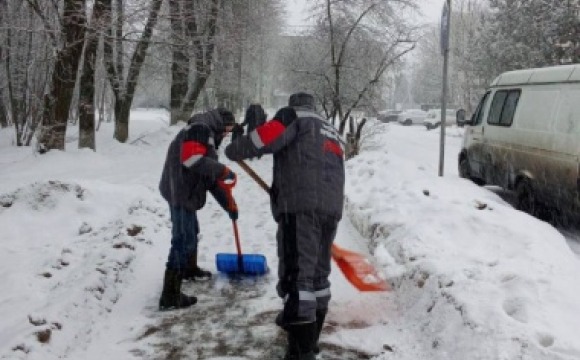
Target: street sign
<point x="445" y="29"/>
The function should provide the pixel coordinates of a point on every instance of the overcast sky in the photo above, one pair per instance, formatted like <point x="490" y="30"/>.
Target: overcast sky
<point x="431" y="10"/>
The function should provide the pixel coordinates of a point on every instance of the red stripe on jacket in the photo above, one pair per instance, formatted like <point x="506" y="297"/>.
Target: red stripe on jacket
<point x="270" y="131"/>
<point x="192" y="148"/>
<point x="333" y="147"/>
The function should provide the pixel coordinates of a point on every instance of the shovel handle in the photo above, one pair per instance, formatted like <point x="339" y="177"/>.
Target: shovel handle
<point x="254" y="176"/>
<point x="237" y="237"/>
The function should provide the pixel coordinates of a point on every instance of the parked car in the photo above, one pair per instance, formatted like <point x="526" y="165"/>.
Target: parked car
<point x="433" y="119"/>
<point x="412" y="116"/>
<point x="523" y="136"/>
<point x="389" y="115"/>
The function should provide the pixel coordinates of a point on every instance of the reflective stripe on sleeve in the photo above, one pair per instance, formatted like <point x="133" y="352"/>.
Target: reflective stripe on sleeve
<point x="256" y="140"/>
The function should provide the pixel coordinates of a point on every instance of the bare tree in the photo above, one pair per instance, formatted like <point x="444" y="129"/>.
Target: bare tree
<point x="363" y="39"/>
<point x="194" y="28"/>
<point x="246" y="52"/>
<point x="57" y="101"/>
<point x="25" y="38"/>
<point x="87" y="81"/>
<point x="4" y="120"/>
<point x="123" y="82"/>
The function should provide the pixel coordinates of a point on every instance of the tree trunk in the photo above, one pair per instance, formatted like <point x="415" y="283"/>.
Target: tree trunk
<point x="353" y="139"/>
<point x="124" y="94"/>
<point x="196" y="89"/>
<point x="87" y="84"/>
<point x="87" y="98"/>
<point x="57" y="101"/>
<point x="15" y="105"/>
<point x="203" y="56"/>
<point x="179" y="65"/>
<point x="3" y="110"/>
<point x="122" y="112"/>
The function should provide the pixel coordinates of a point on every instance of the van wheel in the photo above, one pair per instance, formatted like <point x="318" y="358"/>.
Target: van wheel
<point x="408" y="122"/>
<point x="464" y="170"/>
<point x="526" y="200"/>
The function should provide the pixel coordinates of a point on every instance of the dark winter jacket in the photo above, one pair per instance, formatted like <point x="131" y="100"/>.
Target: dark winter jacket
<point x="308" y="161"/>
<point x="255" y="116"/>
<point x="191" y="166"/>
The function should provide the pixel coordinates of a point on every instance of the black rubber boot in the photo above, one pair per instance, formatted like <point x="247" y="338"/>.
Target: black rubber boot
<point x="292" y="351"/>
<point x="320" y="316"/>
<point x="194" y="272"/>
<point x="171" y="296"/>
<point x="304" y="335"/>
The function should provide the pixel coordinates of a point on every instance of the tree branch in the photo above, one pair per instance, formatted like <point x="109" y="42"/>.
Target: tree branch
<point x="36" y="7"/>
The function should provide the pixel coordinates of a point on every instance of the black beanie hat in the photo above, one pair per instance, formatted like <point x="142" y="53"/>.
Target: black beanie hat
<point x="228" y="118"/>
<point x="302" y="99"/>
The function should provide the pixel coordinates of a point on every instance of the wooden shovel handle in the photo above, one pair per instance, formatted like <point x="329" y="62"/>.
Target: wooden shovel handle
<point x="254" y="176"/>
<point x="355" y="267"/>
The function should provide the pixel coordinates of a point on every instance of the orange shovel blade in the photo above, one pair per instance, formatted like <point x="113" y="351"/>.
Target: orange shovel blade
<point x="358" y="270"/>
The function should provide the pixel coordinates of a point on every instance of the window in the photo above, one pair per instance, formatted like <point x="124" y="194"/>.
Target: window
<point x="496" y="106"/>
<point x="509" y="108"/>
<point x="478" y="114"/>
<point x="503" y="107"/>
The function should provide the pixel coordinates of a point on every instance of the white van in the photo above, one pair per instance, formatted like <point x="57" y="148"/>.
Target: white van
<point x="525" y="136"/>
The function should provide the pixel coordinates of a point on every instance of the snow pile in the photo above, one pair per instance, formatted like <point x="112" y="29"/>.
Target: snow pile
<point x="472" y="277"/>
<point x="75" y="226"/>
<point x="75" y="248"/>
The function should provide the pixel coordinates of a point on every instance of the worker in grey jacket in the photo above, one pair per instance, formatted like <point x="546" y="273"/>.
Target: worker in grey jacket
<point x="307" y="201"/>
<point x="191" y="170"/>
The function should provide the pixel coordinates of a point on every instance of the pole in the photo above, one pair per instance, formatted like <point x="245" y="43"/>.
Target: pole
<point x="445" y="29"/>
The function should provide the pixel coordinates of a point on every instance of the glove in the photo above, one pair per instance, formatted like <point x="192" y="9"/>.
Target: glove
<point x="228" y="178"/>
<point x="222" y="192"/>
<point x="233" y="211"/>
<point x="223" y="195"/>
<point x="237" y="131"/>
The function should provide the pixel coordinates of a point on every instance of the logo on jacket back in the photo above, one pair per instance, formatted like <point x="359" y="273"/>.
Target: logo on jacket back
<point x="333" y="143"/>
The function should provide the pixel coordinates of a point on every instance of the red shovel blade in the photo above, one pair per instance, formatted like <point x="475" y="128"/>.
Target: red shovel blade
<point x="358" y="270"/>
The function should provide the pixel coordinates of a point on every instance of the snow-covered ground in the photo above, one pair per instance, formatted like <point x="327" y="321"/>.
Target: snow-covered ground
<point x="84" y="237"/>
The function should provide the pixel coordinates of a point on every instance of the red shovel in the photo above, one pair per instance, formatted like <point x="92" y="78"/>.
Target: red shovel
<point x="357" y="269"/>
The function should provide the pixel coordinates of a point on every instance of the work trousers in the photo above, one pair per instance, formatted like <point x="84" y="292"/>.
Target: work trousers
<point x="184" y="238"/>
<point x="304" y="251"/>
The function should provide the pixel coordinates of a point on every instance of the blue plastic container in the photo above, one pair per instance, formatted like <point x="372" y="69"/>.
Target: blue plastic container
<point x="251" y="264"/>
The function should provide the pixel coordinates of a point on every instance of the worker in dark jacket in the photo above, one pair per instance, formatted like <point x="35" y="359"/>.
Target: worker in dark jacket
<point x="307" y="200"/>
<point x="191" y="169"/>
